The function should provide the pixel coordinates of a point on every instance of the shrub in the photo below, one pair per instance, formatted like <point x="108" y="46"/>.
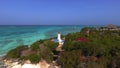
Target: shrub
<point x="34" y="58"/>
<point x="15" y="53"/>
<point x="70" y="59"/>
<point x="35" y="46"/>
<point x="51" y="45"/>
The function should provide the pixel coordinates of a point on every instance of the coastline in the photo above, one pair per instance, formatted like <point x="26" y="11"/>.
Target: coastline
<point x="13" y="36"/>
<point x="3" y="61"/>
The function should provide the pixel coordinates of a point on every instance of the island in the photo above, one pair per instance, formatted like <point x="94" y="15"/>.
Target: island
<point x="90" y="48"/>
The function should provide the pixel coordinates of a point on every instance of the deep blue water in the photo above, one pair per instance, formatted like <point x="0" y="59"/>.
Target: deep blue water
<point x="12" y="36"/>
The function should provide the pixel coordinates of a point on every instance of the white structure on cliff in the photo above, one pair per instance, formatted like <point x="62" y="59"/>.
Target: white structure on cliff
<point x="59" y="38"/>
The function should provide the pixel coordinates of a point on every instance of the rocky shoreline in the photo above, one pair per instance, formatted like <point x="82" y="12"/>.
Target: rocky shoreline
<point x="16" y="63"/>
<point x="2" y="62"/>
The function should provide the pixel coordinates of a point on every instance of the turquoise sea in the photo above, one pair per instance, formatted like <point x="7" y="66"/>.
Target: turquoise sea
<point x="12" y="36"/>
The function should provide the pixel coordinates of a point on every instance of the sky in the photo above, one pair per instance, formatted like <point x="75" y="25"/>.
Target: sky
<point x="59" y="12"/>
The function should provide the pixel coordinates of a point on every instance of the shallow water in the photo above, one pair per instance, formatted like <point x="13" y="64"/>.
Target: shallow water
<point x="13" y="36"/>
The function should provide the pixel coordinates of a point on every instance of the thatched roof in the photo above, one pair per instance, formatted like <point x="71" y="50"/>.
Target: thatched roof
<point x="111" y="26"/>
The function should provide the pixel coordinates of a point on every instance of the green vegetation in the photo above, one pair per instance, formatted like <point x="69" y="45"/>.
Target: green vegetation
<point x="102" y="45"/>
<point x="102" y="50"/>
<point x="70" y="59"/>
<point x="38" y="50"/>
<point x="15" y="53"/>
<point x="35" y="46"/>
<point x="51" y="45"/>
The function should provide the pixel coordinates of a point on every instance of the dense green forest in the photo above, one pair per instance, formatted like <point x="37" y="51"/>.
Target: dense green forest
<point x="89" y="48"/>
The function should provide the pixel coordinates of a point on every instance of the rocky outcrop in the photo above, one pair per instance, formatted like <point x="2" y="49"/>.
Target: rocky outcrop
<point x="27" y="52"/>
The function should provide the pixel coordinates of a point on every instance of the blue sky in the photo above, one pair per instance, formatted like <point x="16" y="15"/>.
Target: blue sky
<point x="59" y="12"/>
